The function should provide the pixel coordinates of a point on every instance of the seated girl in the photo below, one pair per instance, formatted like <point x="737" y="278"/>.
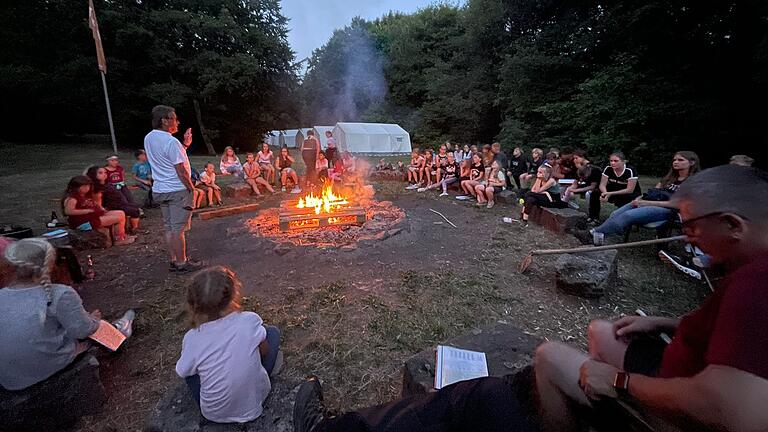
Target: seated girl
<point x="228" y="355"/>
<point x="496" y="182"/>
<point x="350" y="162"/>
<point x="476" y="175"/>
<point x="84" y="214"/>
<point x="414" y="169"/>
<point x="587" y="184"/>
<point x="428" y="168"/>
<point x="230" y="163"/>
<point x="252" y="175"/>
<point x="449" y="174"/>
<point x="208" y="185"/>
<point x="336" y="173"/>
<point x="265" y="162"/>
<point x="653" y="206"/>
<point x="116" y="176"/>
<point x="44" y="325"/>
<point x="619" y="185"/>
<point x="284" y="165"/>
<point x="537" y="159"/>
<point x="106" y="195"/>
<point x="545" y="192"/>
<point x="198" y="196"/>
<point x="321" y="167"/>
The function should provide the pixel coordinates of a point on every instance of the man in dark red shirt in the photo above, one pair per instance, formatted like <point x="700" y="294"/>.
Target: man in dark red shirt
<point x="713" y="375"/>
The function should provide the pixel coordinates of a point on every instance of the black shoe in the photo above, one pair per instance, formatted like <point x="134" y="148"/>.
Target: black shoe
<point x="188" y="267"/>
<point x="682" y="264"/>
<point x="308" y="410"/>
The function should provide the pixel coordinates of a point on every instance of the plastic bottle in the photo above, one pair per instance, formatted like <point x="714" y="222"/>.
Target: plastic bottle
<point x="90" y="273"/>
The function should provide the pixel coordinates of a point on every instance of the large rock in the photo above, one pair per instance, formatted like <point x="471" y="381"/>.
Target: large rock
<point x="506" y="197"/>
<point x="387" y="175"/>
<point x="177" y="412"/>
<point x="237" y="190"/>
<point x="84" y="240"/>
<point x="587" y="274"/>
<point x="56" y="402"/>
<point x="559" y="220"/>
<point x="507" y="350"/>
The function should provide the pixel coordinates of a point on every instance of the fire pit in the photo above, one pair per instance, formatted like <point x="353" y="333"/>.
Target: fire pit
<point x="312" y="211"/>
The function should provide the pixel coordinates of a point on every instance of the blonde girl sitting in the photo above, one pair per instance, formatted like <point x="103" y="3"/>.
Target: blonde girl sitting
<point x="228" y="355"/>
<point x="496" y="183"/>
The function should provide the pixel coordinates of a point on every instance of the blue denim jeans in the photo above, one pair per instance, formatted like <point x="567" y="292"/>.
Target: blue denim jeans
<point x="273" y="341"/>
<point x="626" y="216"/>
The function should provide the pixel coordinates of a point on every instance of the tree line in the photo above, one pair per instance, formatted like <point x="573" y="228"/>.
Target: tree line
<point x="224" y="64"/>
<point x="644" y="77"/>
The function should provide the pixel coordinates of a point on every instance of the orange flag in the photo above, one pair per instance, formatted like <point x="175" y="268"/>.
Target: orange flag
<point x="94" y="25"/>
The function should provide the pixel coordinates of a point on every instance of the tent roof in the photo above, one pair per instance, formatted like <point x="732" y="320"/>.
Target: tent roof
<point x="371" y="128"/>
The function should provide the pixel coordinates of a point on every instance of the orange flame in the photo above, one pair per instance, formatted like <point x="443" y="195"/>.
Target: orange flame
<point x="323" y="203"/>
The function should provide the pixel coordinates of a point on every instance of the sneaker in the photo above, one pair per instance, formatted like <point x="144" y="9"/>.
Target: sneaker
<point x="598" y="238"/>
<point x="491" y="204"/>
<point x="462" y="197"/>
<point x="411" y="187"/>
<point x="278" y="365"/>
<point x="680" y="264"/>
<point x="573" y="204"/>
<point x="308" y="409"/>
<point x="583" y="236"/>
<point x="444" y="194"/>
<point x="282" y="189"/>
<point x="480" y="204"/>
<point x="189" y="267"/>
<point x="593" y="222"/>
<point x="296" y="190"/>
<point x="421" y="189"/>
<point x="524" y="222"/>
<point x="125" y="323"/>
<point x="125" y="241"/>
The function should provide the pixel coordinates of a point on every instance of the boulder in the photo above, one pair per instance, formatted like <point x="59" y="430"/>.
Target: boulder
<point x="507" y="349"/>
<point x="84" y="240"/>
<point x="176" y="411"/>
<point x="387" y="175"/>
<point x="237" y="190"/>
<point x="559" y="220"/>
<point x="587" y="274"/>
<point x="57" y="402"/>
<point x="506" y="197"/>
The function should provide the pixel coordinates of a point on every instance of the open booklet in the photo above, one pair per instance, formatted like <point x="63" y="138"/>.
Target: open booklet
<point x="108" y="336"/>
<point x="454" y="365"/>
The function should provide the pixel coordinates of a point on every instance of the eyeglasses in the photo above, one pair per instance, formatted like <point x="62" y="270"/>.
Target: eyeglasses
<point x="173" y="119"/>
<point x="688" y="225"/>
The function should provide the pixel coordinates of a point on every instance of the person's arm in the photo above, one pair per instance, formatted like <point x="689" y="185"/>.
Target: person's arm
<point x="70" y="210"/>
<point x="98" y="199"/>
<point x="539" y="186"/>
<point x="186" y="366"/>
<point x="631" y="183"/>
<point x="603" y="184"/>
<point x="70" y="313"/>
<point x="184" y="176"/>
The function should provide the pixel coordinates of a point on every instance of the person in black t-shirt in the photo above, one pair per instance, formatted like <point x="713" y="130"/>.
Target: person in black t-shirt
<point x="518" y="165"/>
<point x="476" y="175"/>
<point x="533" y="167"/>
<point x="449" y="173"/>
<point x="655" y="205"/>
<point x="619" y="185"/>
<point x="589" y="177"/>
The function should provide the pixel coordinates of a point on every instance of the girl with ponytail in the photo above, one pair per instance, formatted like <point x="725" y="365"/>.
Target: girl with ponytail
<point x="41" y="323"/>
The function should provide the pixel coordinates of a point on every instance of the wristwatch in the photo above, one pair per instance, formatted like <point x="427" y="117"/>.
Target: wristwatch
<point x="621" y="382"/>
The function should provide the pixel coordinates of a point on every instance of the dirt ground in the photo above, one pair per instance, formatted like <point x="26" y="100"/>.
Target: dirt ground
<point x="353" y="316"/>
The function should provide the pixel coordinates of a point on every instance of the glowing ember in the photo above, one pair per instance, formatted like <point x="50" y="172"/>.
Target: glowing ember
<point x="326" y="202"/>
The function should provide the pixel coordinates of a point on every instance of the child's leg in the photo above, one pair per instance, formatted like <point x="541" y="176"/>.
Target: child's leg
<point x="209" y="196"/>
<point x="273" y="341"/>
<point x="265" y="183"/>
<point x="134" y="223"/>
<point x="217" y="195"/>
<point x="489" y="193"/>
<point x="252" y="184"/>
<point x="480" y="193"/>
<point x="567" y="194"/>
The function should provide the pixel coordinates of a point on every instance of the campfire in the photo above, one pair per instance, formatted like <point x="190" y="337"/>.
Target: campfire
<point x="327" y="209"/>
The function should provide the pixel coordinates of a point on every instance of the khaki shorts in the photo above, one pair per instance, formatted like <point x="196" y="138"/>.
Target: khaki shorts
<point x="177" y="210"/>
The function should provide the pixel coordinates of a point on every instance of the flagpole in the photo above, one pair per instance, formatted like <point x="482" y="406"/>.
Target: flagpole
<point x="109" y="110"/>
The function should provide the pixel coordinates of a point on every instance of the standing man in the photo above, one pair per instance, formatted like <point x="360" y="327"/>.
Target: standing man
<point x="172" y="187"/>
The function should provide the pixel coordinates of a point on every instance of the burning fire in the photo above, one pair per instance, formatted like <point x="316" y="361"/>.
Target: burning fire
<point x="324" y="203"/>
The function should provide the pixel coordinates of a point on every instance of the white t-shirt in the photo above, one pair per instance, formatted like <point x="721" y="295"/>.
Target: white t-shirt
<point x="164" y="151"/>
<point x="225" y="353"/>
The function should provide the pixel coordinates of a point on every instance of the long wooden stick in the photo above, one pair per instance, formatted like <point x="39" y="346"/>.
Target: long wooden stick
<point x="606" y="247"/>
<point x="446" y="219"/>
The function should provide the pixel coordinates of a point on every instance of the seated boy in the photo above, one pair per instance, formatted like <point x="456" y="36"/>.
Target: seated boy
<point x="142" y="173"/>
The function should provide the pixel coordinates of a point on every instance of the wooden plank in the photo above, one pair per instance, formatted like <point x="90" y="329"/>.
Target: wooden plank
<point x="227" y="211"/>
<point x="348" y="212"/>
<point x="349" y="217"/>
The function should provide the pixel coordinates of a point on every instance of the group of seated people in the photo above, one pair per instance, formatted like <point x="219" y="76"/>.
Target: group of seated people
<point x="227" y="357"/>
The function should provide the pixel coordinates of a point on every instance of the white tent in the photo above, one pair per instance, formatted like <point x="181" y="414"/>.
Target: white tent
<point x="288" y="138"/>
<point x="273" y="138"/>
<point x="301" y="136"/>
<point x="377" y="138"/>
<point x="320" y="134"/>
